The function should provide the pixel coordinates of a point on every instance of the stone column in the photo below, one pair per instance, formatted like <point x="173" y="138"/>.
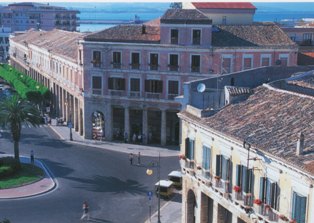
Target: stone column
<point x="163" y="133"/>
<point x="127" y="122"/>
<point x="144" y="123"/>
<point x="108" y="122"/>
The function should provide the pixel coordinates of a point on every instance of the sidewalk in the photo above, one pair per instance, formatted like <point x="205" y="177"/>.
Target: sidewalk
<point x="64" y="133"/>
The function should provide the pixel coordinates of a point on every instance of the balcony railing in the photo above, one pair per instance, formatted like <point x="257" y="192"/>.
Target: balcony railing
<point x="96" y="91"/>
<point x="116" y="65"/>
<point x="135" y="94"/>
<point x="153" y="66"/>
<point x="135" y="66"/>
<point x="206" y="174"/>
<point x="248" y="199"/>
<point x="173" y="67"/>
<point x="116" y="92"/>
<point x="190" y="164"/>
<point x="195" y="69"/>
<point x="172" y="96"/>
<point x="153" y="95"/>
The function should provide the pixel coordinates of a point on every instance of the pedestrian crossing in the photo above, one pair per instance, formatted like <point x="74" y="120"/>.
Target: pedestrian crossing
<point x="26" y="125"/>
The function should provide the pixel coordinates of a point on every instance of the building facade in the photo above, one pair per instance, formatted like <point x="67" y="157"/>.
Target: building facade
<point x="225" y="13"/>
<point x="27" y="15"/>
<point x="131" y="73"/>
<point x="4" y="43"/>
<point x="252" y="161"/>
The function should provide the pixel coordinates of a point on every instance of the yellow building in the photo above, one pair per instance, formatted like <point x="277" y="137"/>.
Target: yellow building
<point x="252" y="161"/>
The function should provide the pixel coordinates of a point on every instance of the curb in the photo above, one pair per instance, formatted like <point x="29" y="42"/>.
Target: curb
<point x="28" y="194"/>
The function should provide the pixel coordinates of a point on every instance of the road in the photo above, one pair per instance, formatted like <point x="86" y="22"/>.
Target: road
<point x="115" y="191"/>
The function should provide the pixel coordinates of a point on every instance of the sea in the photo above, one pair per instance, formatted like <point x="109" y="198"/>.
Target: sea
<point x="123" y="12"/>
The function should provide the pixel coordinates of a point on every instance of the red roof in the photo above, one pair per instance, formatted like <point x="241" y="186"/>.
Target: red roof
<point x="223" y="5"/>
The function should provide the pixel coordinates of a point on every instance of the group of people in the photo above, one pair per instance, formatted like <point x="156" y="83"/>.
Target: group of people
<point x="140" y="138"/>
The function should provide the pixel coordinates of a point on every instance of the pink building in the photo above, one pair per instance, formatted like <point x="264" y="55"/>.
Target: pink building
<point x="132" y="73"/>
<point x="27" y="15"/>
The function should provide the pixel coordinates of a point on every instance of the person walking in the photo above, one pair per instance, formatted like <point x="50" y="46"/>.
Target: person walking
<point x="85" y="211"/>
<point x="32" y="157"/>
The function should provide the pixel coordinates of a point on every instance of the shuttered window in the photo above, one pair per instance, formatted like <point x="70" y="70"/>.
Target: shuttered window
<point x="206" y="158"/>
<point x="245" y="179"/>
<point x="189" y="148"/>
<point x="269" y="192"/>
<point x="298" y="207"/>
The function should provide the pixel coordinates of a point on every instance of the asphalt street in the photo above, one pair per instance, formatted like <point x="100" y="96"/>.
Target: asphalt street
<point x="115" y="191"/>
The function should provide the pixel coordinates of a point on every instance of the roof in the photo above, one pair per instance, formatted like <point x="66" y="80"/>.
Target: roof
<point x="175" y="173"/>
<point x="305" y="80"/>
<point x="164" y="183"/>
<point x="184" y="16"/>
<point x="223" y="5"/>
<point x="63" y="43"/>
<point x="271" y="121"/>
<point x="298" y="29"/>
<point x="128" y="33"/>
<point x="254" y="35"/>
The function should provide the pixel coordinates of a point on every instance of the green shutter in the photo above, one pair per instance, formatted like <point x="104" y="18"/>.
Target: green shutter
<point x="218" y="165"/>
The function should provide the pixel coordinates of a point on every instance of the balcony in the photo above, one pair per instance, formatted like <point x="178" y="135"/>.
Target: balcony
<point x="96" y="91"/>
<point x="195" y="69"/>
<point x="135" y="94"/>
<point x="173" y="67"/>
<point x="172" y="96"/>
<point x="118" y="93"/>
<point x="116" y="65"/>
<point x="153" y="66"/>
<point x="153" y="95"/>
<point x="206" y="174"/>
<point x="135" y="66"/>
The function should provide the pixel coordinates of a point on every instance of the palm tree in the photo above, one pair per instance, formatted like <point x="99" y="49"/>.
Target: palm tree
<point x="13" y="112"/>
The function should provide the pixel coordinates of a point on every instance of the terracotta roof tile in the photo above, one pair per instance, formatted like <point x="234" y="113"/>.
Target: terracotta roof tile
<point x="223" y="5"/>
<point x="128" y="33"/>
<point x="63" y="43"/>
<point x="184" y="16"/>
<point x="255" y="35"/>
<point x="270" y="120"/>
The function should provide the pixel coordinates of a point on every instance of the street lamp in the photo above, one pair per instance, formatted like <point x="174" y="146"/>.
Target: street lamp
<point x="149" y="172"/>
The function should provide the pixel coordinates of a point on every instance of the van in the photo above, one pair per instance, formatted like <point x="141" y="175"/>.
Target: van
<point x="166" y="188"/>
<point x="176" y="177"/>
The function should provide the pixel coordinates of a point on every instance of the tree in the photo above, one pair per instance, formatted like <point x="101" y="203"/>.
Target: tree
<point x="13" y="112"/>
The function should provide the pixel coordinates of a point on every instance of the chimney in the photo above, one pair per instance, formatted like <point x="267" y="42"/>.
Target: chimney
<point x="300" y="144"/>
<point x="143" y="29"/>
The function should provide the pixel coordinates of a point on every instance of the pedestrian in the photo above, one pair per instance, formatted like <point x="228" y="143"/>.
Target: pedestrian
<point x="32" y="157"/>
<point x="85" y="211"/>
<point x="134" y="138"/>
<point x="126" y="138"/>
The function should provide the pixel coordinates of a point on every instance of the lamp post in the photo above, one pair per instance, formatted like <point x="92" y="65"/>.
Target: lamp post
<point x="149" y="172"/>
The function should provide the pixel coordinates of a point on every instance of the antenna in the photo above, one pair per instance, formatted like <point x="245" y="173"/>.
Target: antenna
<point x="201" y="87"/>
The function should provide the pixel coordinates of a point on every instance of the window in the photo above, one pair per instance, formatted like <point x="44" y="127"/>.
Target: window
<point x="196" y="37"/>
<point x="116" y="60"/>
<point x="195" y="63"/>
<point x="135" y="60"/>
<point x="173" y="87"/>
<point x="206" y="158"/>
<point x="307" y="36"/>
<point x="245" y="179"/>
<point x="269" y="192"/>
<point x="154" y="86"/>
<point x="226" y="65"/>
<point x="135" y="84"/>
<point x="173" y="62"/>
<point x="298" y="207"/>
<point x="265" y="61"/>
<point x="224" y="171"/>
<point x="189" y="148"/>
<point x="115" y="83"/>
<point x="247" y="63"/>
<point x="96" y="85"/>
<point x="283" y="60"/>
<point x="96" y="58"/>
<point x="153" y="61"/>
<point x="174" y="36"/>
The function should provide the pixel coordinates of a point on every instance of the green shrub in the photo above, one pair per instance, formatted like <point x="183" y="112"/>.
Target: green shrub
<point x="8" y="166"/>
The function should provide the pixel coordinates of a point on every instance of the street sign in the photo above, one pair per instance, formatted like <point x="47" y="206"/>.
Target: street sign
<point x="149" y="194"/>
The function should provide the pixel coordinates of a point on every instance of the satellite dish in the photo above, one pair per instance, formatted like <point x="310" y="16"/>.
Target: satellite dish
<point x="201" y="87"/>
